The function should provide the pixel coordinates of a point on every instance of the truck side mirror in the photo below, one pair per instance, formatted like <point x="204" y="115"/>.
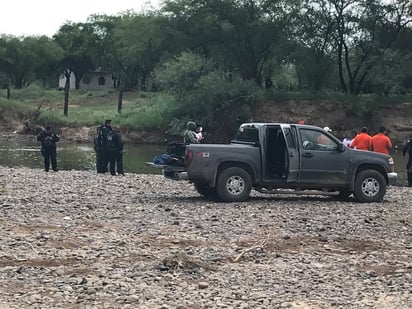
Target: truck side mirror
<point x="341" y="147"/>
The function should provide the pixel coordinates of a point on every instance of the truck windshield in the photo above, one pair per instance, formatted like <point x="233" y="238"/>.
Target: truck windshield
<point x="247" y="134"/>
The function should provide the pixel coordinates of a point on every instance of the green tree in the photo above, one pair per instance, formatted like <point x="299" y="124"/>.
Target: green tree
<point x="240" y="35"/>
<point x="357" y="27"/>
<point x="76" y="40"/>
<point x="207" y="94"/>
<point x="22" y="58"/>
<point x="131" y="45"/>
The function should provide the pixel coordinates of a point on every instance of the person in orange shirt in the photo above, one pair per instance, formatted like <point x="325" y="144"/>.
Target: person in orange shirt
<point x="380" y="142"/>
<point x="362" y="141"/>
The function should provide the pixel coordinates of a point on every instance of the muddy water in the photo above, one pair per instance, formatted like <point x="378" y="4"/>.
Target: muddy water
<point x="76" y="156"/>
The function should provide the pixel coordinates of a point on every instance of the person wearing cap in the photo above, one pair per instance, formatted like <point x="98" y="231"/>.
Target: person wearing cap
<point x="362" y="141"/>
<point x="380" y="142"/>
<point x="322" y="138"/>
<point x="189" y="136"/>
<point x="48" y="139"/>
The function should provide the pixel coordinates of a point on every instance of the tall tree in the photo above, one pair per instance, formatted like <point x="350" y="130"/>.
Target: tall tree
<point x="353" y="30"/>
<point x="22" y="57"/>
<point x="241" y="35"/>
<point x="76" y="40"/>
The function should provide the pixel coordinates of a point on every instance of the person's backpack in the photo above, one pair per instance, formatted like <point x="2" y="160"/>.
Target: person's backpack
<point x="163" y="159"/>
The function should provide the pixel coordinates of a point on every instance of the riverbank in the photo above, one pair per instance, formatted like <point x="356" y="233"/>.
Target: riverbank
<point x="76" y="239"/>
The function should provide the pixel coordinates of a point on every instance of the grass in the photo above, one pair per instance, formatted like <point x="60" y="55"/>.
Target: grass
<point x="88" y="108"/>
<point x="141" y="110"/>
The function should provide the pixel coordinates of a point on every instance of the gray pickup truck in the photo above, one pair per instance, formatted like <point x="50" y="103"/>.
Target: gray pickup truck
<point x="282" y="158"/>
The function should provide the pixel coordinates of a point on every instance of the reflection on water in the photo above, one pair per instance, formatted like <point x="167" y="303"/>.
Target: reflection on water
<point x="81" y="157"/>
<point x="76" y="156"/>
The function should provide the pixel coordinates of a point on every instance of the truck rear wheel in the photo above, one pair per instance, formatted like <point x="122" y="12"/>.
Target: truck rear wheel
<point x="234" y="185"/>
<point x="206" y="191"/>
<point x="370" y="186"/>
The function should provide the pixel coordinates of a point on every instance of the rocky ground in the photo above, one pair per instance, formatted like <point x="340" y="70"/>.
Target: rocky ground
<point x="75" y="239"/>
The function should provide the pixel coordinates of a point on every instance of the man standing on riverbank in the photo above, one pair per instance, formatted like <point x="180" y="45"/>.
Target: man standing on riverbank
<point x="48" y="140"/>
<point x="407" y="148"/>
<point x="115" y="152"/>
<point x="105" y="132"/>
<point x="362" y="141"/>
<point x="98" y="149"/>
<point x="380" y="142"/>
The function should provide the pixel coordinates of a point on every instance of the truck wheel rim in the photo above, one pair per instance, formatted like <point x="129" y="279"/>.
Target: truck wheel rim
<point x="370" y="187"/>
<point x="235" y="185"/>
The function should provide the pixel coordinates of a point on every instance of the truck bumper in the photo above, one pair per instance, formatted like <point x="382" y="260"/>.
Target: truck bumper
<point x="175" y="175"/>
<point x="171" y="171"/>
<point x="392" y="178"/>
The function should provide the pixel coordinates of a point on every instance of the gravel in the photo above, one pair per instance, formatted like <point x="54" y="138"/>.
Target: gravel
<point x="76" y="239"/>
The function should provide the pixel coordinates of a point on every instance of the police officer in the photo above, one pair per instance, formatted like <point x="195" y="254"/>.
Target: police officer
<point x="407" y="148"/>
<point x="115" y="153"/>
<point x="105" y="132"/>
<point x="98" y="149"/>
<point x="48" y="139"/>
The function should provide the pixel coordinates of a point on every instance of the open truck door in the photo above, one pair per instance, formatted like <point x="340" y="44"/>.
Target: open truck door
<point x="293" y="166"/>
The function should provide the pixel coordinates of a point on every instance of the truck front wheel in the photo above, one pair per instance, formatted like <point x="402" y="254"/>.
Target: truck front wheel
<point x="370" y="186"/>
<point x="234" y="185"/>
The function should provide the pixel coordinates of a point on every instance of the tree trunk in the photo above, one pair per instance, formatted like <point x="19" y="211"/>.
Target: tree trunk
<point x="8" y="93"/>
<point x="120" y="99"/>
<point x="66" y="95"/>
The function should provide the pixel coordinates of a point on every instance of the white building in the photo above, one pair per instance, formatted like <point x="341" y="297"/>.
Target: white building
<point x="89" y="81"/>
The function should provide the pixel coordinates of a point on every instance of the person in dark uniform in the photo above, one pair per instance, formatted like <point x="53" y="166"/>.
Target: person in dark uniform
<point x="48" y="139"/>
<point x="105" y="132"/>
<point x="407" y="148"/>
<point x="98" y="149"/>
<point x="115" y="146"/>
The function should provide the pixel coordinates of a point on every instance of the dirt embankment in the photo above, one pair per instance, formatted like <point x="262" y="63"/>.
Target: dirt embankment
<point x="397" y="119"/>
<point x="340" y="117"/>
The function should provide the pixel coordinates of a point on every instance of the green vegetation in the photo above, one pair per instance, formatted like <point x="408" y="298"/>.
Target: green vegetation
<point x="212" y="61"/>
<point x="163" y="112"/>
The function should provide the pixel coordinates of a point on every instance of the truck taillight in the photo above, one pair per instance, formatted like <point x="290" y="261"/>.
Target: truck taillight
<point x="188" y="157"/>
<point x="391" y="163"/>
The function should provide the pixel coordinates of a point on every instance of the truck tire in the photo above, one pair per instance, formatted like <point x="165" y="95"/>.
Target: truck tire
<point x="205" y="191"/>
<point x="234" y="185"/>
<point x="370" y="186"/>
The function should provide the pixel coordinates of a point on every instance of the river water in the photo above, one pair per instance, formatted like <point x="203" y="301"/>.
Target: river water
<point x="76" y="156"/>
<point x="81" y="157"/>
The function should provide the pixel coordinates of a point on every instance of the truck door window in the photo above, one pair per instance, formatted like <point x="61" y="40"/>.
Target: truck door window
<point x="247" y="134"/>
<point x="316" y="140"/>
<point x="289" y="137"/>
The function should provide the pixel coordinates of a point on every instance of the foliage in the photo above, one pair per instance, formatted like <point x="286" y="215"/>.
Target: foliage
<point x="25" y="59"/>
<point x="207" y="94"/>
<point x="182" y="73"/>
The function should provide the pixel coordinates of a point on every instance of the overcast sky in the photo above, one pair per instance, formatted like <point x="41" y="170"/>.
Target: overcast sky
<point x="44" y="17"/>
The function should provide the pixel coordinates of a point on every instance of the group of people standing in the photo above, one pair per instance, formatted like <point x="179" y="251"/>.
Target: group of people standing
<point x="380" y="142"/>
<point x="108" y="146"/>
